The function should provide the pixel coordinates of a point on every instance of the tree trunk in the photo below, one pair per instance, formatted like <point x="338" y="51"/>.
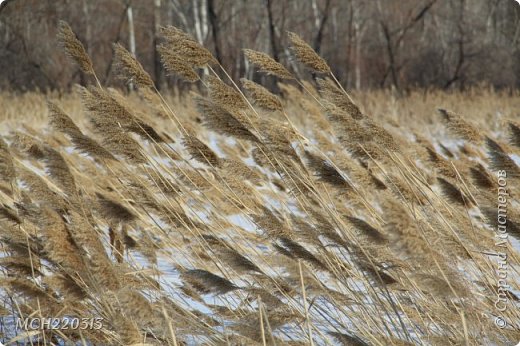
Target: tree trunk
<point x="272" y="30"/>
<point x="157" y="59"/>
<point x="131" y="31"/>
<point x="198" y="22"/>
<point x="357" y="34"/>
<point x="391" y="56"/>
<point x="215" y="29"/>
<point x="131" y="34"/>
<point x="320" y="24"/>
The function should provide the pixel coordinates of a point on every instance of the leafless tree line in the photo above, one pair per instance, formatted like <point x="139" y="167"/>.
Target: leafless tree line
<point x="370" y="44"/>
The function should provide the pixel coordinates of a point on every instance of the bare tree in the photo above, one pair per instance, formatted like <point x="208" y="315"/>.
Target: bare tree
<point x="461" y="56"/>
<point x="398" y="43"/>
<point x="394" y="37"/>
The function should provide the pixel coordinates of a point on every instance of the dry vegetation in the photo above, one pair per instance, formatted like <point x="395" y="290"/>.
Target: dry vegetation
<point x="240" y="217"/>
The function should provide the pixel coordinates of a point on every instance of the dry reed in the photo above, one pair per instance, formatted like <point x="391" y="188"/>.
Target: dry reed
<point x="355" y="223"/>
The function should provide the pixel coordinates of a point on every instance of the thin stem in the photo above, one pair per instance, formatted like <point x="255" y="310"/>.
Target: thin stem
<point x="309" y="324"/>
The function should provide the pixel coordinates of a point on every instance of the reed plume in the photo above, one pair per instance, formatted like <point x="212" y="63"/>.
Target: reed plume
<point x="270" y="224"/>
<point x="206" y="282"/>
<point x="500" y="160"/>
<point x="114" y="210"/>
<point x="292" y="249"/>
<point x="108" y="111"/>
<point x="442" y="165"/>
<point x="453" y="193"/>
<point x="40" y="191"/>
<point x="459" y="126"/>
<point x="200" y="151"/>
<point x="251" y="223"/>
<point x="176" y="65"/>
<point x="7" y="170"/>
<point x="490" y="216"/>
<point x="225" y="95"/>
<point x="348" y="339"/>
<point x="330" y="92"/>
<point x="186" y="48"/>
<point x="6" y="213"/>
<point x="481" y="177"/>
<point x="326" y="172"/>
<point x="403" y="232"/>
<point x="372" y="233"/>
<point x="262" y="97"/>
<point x="59" y="170"/>
<point x="231" y="256"/>
<point x="514" y="138"/>
<point x="306" y="55"/>
<point x="130" y="68"/>
<point x="60" y="121"/>
<point x="74" y="48"/>
<point x="59" y="245"/>
<point x="84" y="144"/>
<point x="266" y="64"/>
<point x="348" y="130"/>
<point x="222" y="121"/>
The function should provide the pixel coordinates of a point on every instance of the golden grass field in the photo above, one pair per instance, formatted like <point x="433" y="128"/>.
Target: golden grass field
<point x="233" y="216"/>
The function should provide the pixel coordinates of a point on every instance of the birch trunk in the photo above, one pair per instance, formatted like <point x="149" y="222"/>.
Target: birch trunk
<point x="157" y="60"/>
<point x="131" y="35"/>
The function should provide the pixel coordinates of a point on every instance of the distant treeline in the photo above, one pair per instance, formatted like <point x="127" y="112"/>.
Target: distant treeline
<point x="369" y="44"/>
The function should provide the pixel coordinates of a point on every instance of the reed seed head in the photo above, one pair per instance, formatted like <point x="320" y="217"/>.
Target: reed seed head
<point x="306" y="55"/>
<point x="266" y="64"/>
<point x="74" y="48"/>
<point x="130" y="68"/>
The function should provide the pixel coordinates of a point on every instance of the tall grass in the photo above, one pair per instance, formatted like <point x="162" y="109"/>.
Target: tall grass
<point x="241" y="217"/>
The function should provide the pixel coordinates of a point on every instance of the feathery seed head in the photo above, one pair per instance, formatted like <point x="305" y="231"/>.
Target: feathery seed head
<point x="262" y="97"/>
<point x="460" y="127"/>
<point x="515" y="134"/>
<point x="130" y="68"/>
<point x="7" y="170"/>
<point x="306" y="55"/>
<point x="176" y="65"/>
<point x="333" y="94"/>
<point x="61" y="121"/>
<point x="74" y="48"/>
<point x="200" y="151"/>
<point x="267" y="64"/>
<point x="225" y="95"/>
<point x="186" y="48"/>
<point x="500" y="159"/>
<point x="222" y="121"/>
